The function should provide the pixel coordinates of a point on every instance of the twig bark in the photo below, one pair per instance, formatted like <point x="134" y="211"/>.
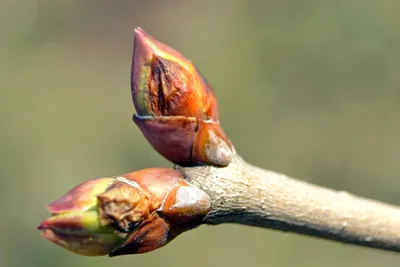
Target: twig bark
<point x="244" y="194"/>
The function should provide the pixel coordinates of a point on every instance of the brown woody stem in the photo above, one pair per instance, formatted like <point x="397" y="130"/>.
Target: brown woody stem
<point x="244" y="194"/>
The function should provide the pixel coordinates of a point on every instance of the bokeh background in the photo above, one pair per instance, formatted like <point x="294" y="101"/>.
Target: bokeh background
<point x="308" y="88"/>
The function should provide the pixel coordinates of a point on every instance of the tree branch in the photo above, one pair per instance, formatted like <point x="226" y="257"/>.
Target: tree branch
<point x="244" y="194"/>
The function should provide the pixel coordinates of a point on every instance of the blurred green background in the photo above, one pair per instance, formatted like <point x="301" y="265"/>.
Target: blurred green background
<point x="307" y="88"/>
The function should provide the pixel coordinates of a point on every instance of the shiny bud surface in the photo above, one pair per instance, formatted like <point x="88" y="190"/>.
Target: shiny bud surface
<point x="128" y="214"/>
<point x="75" y="223"/>
<point x="175" y="105"/>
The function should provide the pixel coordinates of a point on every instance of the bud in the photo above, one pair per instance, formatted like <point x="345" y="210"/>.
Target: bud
<point x="176" y="108"/>
<point x="75" y="224"/>
<point x="133" y="213"/>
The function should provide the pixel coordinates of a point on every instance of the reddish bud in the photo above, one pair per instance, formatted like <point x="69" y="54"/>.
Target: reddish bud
<point x="133" y="213"/>
<point x="75" y="224"/>
<point x="173" y="101"/>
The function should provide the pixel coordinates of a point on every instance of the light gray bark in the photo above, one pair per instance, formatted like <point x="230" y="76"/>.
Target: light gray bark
<point x="244" y="194"/>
